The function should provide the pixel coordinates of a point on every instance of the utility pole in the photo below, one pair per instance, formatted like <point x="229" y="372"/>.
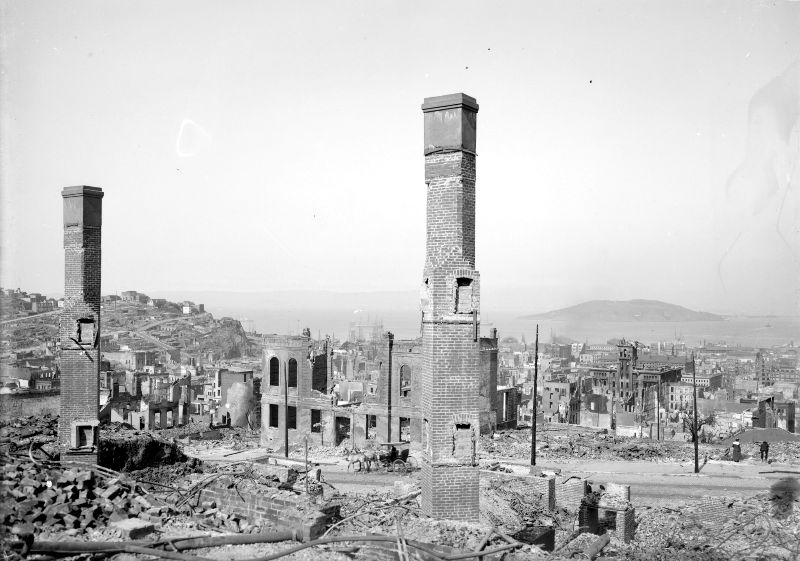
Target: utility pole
<point x="306" y="461"/>
<point x="286" y="412"/>
<point x="390" y="342"/>
<point x="535" y="391"/>
<point x="658" y="410"/>
<point x="695" y="431"/>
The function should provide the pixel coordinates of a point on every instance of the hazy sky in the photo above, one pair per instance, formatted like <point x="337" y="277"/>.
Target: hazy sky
<point x="625" y="149"/>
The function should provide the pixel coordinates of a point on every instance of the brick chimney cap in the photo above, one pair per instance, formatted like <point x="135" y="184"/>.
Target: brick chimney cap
<point x="82" y="191"/>
<point x="450" y="101"/>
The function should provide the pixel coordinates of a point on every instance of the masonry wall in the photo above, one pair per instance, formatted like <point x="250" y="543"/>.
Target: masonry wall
<point x="281" y="509"/>
<point x="570" y="492"/>
<point x="539" y="489"/>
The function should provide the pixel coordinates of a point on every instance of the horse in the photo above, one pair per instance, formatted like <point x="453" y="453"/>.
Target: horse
<point x="371" y="457"/>
<point x="354" y="457"/>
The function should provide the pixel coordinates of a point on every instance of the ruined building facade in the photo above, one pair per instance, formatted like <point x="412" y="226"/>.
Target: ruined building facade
<point x="79" y="330"/>
<point x="379" y="400"/>
<point x="294" y="391"/>
<point x="450" y="303"/>
<point x="626" y="397"/>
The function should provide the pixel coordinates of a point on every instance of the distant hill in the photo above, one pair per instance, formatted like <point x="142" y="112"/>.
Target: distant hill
<point x="626" y="310"/>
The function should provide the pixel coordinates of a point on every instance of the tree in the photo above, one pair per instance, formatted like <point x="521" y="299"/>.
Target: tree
<point x="701" y="422"/>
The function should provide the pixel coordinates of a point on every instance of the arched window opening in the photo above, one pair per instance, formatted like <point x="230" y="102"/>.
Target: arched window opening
<point x="274" y="371"/>
<point x="292" y="373"/>
<point x="405" y="381"/>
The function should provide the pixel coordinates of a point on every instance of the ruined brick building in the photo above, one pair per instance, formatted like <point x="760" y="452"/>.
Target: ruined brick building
<point x="376" y="395"/>
<point x="147" y="401"/>
<point x="628" y="395"/>
<point x="79" y="330"/>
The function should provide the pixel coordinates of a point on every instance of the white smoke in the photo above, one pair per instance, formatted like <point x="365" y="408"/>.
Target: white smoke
<point x="240" y="404"/>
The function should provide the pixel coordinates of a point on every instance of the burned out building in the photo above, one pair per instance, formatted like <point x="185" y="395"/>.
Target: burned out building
<point x="629" y="394"/>
<point x="147" y="401"/>
<point x="377" y="395"/>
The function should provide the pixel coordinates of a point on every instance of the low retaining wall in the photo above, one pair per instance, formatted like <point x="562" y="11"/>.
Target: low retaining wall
<point x="282" y="509"/>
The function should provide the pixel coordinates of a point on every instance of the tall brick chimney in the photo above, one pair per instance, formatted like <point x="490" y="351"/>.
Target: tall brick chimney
<point x="80" y="324"/>
<point x="450" y="305"/>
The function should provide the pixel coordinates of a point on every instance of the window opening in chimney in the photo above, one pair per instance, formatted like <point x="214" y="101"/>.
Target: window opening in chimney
<point x="463" y="295"/>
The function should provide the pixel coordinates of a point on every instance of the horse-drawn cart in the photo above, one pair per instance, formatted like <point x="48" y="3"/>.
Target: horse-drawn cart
<point x="390" y="457"/>
<point x="397" y="457"/>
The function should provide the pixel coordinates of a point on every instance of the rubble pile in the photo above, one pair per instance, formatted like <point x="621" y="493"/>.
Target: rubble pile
<point x="25" y="427"/>
<point x="591" y="446"/>
<point x="508" y="506"/>
<point x="458" y="535"/>
<point x="781" y="452"/>
<point x="238" y="438"/>
<point x="183" y="430"/>
<point x="376" y="513"/>
<point x="52" y="498"/>
<point x="381" y="513"/>
<point x="204" y="439"/>
<point x="513" y="505"/>
<point x="19" y="434"/>
<point x="766" y="526"/>
<point x="328" y="451"/>
<point x="577" y="546"/>
<point x="167" y="476"/>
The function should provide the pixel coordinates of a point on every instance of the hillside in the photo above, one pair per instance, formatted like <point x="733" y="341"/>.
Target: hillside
<point x="137" y="325"/>
<point x="625" y="310"/>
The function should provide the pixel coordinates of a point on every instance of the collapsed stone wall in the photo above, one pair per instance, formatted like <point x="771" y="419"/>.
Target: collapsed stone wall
<point x="282" y="509"/>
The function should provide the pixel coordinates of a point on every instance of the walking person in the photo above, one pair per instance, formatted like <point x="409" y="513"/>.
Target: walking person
<point x="737" y="450"/>
<point x="765" y="451"/>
